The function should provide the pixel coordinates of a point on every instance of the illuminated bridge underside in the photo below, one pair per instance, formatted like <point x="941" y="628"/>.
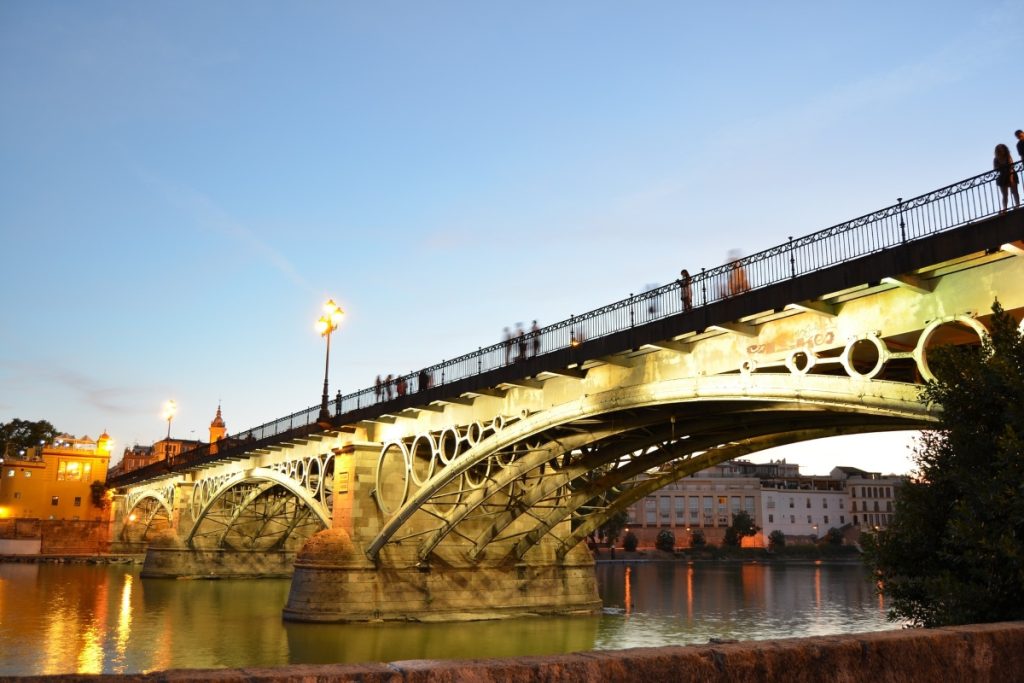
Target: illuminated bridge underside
<point x="576" y="461"/>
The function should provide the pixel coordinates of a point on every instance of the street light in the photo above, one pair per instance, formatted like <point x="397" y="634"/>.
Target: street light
<point x="170" y="408"/>
<point x="328" y="323"/>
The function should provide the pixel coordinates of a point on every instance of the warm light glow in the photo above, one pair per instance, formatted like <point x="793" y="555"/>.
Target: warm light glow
<point x="331" y="318"/>
<point x="132" y="517"/>
<point x="3" y="512"/>
<point x="170" y="408"/>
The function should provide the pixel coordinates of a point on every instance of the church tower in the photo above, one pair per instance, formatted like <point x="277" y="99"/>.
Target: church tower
<point x="217" y="427"/>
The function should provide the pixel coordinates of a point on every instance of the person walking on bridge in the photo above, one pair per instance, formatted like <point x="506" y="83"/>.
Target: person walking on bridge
<point x="1019" y="134"/>
<point x="1006" y="176"/>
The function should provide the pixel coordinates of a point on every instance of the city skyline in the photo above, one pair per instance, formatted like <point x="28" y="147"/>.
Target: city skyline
<point x="186" y="184"/>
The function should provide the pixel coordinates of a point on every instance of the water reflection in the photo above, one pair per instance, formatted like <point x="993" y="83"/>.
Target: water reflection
<point x="91" y="619"/>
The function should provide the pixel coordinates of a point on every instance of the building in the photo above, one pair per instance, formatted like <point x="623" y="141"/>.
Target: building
<point x="775" y="495"/>
<point x="872" y="496"/>
<point x="140" y="456"/>
<point x="56" y="481"/>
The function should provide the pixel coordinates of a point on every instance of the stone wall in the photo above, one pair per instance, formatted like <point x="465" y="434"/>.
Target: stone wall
<point x="60" y="536"/>
<point x="986" y="653"/>
<point x="173" y="563"/>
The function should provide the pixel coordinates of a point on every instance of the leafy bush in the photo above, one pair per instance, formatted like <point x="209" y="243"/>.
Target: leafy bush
<point x="666" y="541"/>
<point x="776" y="540"/>
<point x="629" y="541"/>
<point x="697" y="539"/>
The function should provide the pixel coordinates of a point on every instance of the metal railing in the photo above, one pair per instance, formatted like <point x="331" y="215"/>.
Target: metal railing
<point x="950" y="207"/>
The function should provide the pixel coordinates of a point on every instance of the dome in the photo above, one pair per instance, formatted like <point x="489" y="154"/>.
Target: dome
<point x="218" y="421"/>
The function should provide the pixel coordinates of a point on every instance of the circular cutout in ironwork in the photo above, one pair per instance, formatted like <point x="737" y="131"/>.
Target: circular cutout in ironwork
<point x="864" y="357"/>
<point x="946" y="330"/>
<point x="392" y="481"/>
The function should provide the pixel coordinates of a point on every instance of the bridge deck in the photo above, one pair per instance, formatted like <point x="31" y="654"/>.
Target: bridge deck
<point x="781" y="277"/>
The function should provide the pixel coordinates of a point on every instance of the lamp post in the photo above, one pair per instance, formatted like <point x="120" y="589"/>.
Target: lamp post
<point x="328" y="323"/>
<point x="170" y="408"/>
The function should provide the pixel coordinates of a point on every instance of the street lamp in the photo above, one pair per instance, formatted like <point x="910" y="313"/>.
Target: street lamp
<point x="170" y="408"/>
<point x="328" y="323"/>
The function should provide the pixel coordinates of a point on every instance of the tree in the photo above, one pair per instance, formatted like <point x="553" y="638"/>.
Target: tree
<point x="629" y="541"/>
<point x="98" y="494"/>
<point x="952" y="553"/>
<point x="613" y="527"/>
<point x="742" y="525"/>
<point x="666" y="541"/>
<point x="777" y="539"/>
<point x="18" y="435"/>
<point x="834" y="536"/>
<point x="697" y="539"/>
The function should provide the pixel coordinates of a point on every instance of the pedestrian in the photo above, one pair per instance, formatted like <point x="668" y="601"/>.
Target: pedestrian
<point x="508" y="346"/>
<point x="684" y="289"/>
<point x="521" y="339"/>
<point x="1006" y="176"/>
<point x="535" y="333"/>
<point x="337" y="403"/>
<point x="387" y="386"/>
<point x="1019" y="134"/>
<point x="378" y="390"/>
<point x="401" y="386"/>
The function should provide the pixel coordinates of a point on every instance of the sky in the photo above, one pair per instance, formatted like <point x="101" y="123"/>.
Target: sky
<point x="183" y="184"/>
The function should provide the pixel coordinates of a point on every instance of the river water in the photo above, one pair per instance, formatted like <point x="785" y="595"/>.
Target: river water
<point x="104" y="618"/>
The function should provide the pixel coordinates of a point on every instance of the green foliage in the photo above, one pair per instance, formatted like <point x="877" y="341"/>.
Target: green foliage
<point x="953" y="552"/>
<point x="666" y="541"/>
<point x="613" y="527"/>
<point x="18" y="434"/>
<point x="777" y="540"/>
<point x="834" y="536"/>
<point x="742" y="525"/>
<point x="697" y="539"/>
<point x="629" y="541"/>
<point x="98" y="494"/>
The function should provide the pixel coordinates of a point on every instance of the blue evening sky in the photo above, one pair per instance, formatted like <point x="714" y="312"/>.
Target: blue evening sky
<point x="182" y="184"/>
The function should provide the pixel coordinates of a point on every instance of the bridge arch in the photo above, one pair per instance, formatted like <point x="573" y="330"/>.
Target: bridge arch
<point x="699" y="420"/>
<point x="258" y="509"/>
<point x="146" y="512"/>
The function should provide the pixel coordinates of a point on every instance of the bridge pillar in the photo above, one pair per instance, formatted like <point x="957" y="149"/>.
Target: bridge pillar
<point x="181" y="509"/>
<point x="334" y="580"/>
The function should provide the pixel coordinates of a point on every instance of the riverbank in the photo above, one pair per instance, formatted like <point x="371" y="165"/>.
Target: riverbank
<point x="74" y="559"/>
<point x="795" y="554"/>
<point x="985" y="653"/>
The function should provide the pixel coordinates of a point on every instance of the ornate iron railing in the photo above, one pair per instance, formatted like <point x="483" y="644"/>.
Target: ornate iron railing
<point x="955" y="205"/>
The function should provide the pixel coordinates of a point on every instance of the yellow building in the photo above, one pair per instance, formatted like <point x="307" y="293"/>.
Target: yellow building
<point x="54" y="481"/>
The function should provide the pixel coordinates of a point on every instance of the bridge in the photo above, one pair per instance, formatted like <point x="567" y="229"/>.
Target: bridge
<point x="469" y="493"/>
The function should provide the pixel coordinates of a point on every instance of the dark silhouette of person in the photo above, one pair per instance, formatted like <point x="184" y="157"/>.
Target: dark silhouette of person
<point x="378" y="390"/>
<point x="1019" y="134"/>
<point x="387" y="386"/>
<point x="1006" y="176"/>
<point x="508" y="346"/>
<point x="337" y="403"/>
<point x="535" y="333"/>
<point x="521" y="341"/>
<point x="684" y="289"/>
<point x="401" y="386"/>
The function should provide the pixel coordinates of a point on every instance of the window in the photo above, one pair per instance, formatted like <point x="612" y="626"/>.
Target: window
<point x="69" y="470"/>
<point x="824" y="503"/>
<point x="809" y="521"/>
<point x="771" y="503"/>
<point x="734" y="504"/>
<point x="876" y="506"/>
<point x="651" y="511"/>
<point x="680" y="509"/>
<point x="78" y="501"/>
<point x="10" y="473"/>
<point x="853" y="491"/>
<point x="808" y="503"/>
<point x="748" y="505"/>
<point x="665" y="509"/>
<point x="841" y="504"/>
<point x="17" y="495"/>
<point x="791" y="504"/>
<point x="709" y="511"/>
<point x="771" y="519"/>
<point x="28" y="474"/>
<point x="55" y="500"/>
<point x="826" y="519"/>
<point x="842" y="519"/>
<point x="792" y="519"/>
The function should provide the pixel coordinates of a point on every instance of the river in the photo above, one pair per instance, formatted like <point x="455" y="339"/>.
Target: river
<point x="104" y="618"/>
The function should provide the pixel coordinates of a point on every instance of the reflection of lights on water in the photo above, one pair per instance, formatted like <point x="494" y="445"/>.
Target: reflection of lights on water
<point x="90" y="657"/>
<point x="629" y="591"/>
<point x="817" y="587"/>
<point x="689" y="591"/>
<point x="124" y="616"/>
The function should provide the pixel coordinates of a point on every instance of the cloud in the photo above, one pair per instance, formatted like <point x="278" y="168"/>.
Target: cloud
<point x="87" y="389"/>
<point x="208" y="215"/>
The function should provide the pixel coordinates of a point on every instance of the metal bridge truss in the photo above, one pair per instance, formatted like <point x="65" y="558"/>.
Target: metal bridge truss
<point x="501" y="487"/>
<point x="148" y="511"/>
<point x="265" y="508"/>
